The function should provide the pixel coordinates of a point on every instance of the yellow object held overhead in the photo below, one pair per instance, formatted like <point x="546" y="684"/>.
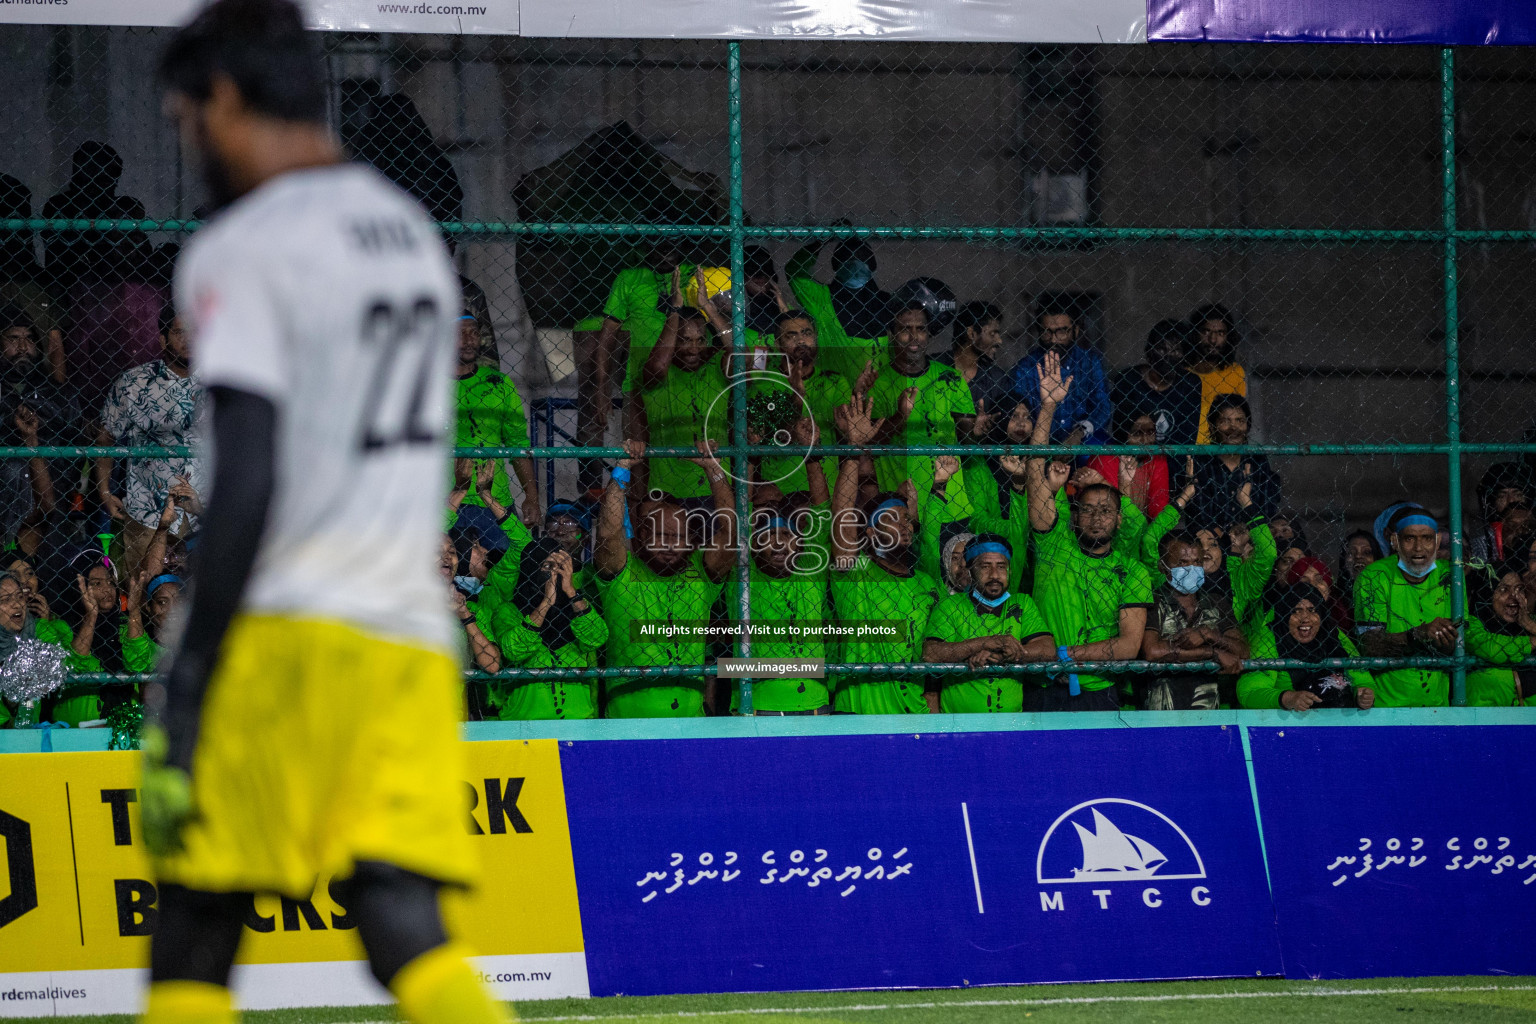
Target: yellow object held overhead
<point x="717" y="280"/>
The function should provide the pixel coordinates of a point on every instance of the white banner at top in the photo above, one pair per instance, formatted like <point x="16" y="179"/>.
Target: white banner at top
<point x="1013" y="21"/>
<point x="484" y="17"/>
<point x="997" y="21"/>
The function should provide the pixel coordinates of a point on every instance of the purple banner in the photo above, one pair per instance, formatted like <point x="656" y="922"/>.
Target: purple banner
<point x="917" y="861"/>
<point x="1400" y="851"/>
<point x="1444" y="22"/>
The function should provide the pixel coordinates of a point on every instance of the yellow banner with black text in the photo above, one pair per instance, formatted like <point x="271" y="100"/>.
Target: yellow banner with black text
<point x="78" y="903"/>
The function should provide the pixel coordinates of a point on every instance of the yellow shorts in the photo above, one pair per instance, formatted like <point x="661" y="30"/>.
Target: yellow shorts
<point x="322" y="745"/>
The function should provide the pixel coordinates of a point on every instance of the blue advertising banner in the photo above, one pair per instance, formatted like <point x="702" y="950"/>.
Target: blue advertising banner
<point x="917" y="860"/>
<point x="1446" y="22"/>
<point x="1400" y="851"/>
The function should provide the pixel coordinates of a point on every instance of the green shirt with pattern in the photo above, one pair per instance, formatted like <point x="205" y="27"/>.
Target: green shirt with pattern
<point x="490" y="415"/>
<point x="959" y="618"/>
<point x="685" y="407"/>
<point x="1263" y="688"/>
<point x="824" y="392"/>
<point x="868" y="592"/>
<point x="637" y="300"/>
<point x="837" y="352"/>
<point x="942" y="394"/>
<point x="1081" y="595"/>
<point x="800" y="600"/>
<point x="1385" y="599"/>
<point x="523" y="646"/>
<point x="637" y="597"/>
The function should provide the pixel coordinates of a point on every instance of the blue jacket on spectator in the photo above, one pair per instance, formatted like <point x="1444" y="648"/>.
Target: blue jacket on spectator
<point x="1087" y="401"/>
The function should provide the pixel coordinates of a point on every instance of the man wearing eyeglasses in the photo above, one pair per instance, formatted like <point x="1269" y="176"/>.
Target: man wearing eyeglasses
<point x="1085" y="415"/>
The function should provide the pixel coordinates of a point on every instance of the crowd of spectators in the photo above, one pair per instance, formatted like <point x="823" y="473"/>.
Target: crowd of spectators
<point x="891" y="563"/>
<point x="90" y="353"/>
<point x="1190" y="562"/>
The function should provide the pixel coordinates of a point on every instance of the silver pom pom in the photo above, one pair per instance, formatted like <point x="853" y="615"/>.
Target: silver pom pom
<point x="34" y="670"/>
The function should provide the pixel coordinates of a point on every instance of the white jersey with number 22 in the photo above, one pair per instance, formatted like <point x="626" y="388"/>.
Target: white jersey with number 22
<point x="330" y="293"/>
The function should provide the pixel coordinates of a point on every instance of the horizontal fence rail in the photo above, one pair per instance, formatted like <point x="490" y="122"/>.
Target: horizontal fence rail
<point x="1438" y="237"/>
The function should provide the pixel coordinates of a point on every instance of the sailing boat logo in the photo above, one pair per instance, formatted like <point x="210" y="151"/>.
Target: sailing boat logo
<point x="1116" y="841"/>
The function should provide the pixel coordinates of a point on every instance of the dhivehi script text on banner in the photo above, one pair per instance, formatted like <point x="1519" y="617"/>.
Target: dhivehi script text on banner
<point x="1404" y="850"/>
<point x="78" y="904"/>
<point x="917" y="861"/>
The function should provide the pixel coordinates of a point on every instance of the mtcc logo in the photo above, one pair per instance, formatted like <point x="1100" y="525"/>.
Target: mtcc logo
<point x="1111" y="841"/>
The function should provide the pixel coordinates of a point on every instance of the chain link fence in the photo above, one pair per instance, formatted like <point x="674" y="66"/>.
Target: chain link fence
<point x="1339" y="235"/>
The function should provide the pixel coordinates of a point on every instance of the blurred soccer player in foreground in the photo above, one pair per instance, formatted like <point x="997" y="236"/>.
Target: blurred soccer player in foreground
<point x="308" y="724"/>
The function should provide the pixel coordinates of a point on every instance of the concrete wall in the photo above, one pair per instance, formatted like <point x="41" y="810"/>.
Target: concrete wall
<point x="1344" y="342"/>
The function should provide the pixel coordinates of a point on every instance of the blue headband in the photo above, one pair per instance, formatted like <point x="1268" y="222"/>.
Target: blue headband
<point x="1418" y="519"/>
<point x="887" y="503"/>
<point x="776" y="523"/>
<point x="566" y="508"/>
<point x="470" y="316"/>
<point x="975" y="551"/>
<point x="160" y="581"/>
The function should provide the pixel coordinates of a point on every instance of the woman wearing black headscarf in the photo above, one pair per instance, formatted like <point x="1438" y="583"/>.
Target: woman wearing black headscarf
<point x="1301" y="631"/>
<point x="98" y="629"/>
<point x="549" y="623"/>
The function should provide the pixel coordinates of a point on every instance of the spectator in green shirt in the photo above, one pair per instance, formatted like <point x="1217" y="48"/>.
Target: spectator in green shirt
<point x="660" y="578"/>
<point x="788" y="581"/>
<point x="986" y="625"/>
<point x="151" y="600"/>
<point x="491" y="415"/>
<point x="1094" y="597"/>
<point x="851" y="313"/>
<point x="885" y="567"/>
<point x="1402" y="609"/>
<point x="685" y="400"/>
<point x="638" y="303"/>
<point x="789" y="589"/>
<point x="807" y="386"/>
<point x="567" y="524"/>
<point x="919" y="402"/>
<point x="1300" y="630"/>
<point x="997" y="486"/>
<point x="549" y="623"/>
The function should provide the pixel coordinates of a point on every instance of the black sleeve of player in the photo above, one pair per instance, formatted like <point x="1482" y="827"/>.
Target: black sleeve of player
<point x="244" y="450"/>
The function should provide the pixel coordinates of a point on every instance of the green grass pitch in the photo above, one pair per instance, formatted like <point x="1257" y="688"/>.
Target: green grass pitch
<point x="1399" y="1000"/>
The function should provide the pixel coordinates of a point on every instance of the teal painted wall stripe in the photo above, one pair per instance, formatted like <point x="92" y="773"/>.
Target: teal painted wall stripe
<point x="24" y="741"/>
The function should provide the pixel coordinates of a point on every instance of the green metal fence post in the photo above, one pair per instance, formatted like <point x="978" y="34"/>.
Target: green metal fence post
<point x="739" y="368"/>
<point x="1452" y="363"/>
